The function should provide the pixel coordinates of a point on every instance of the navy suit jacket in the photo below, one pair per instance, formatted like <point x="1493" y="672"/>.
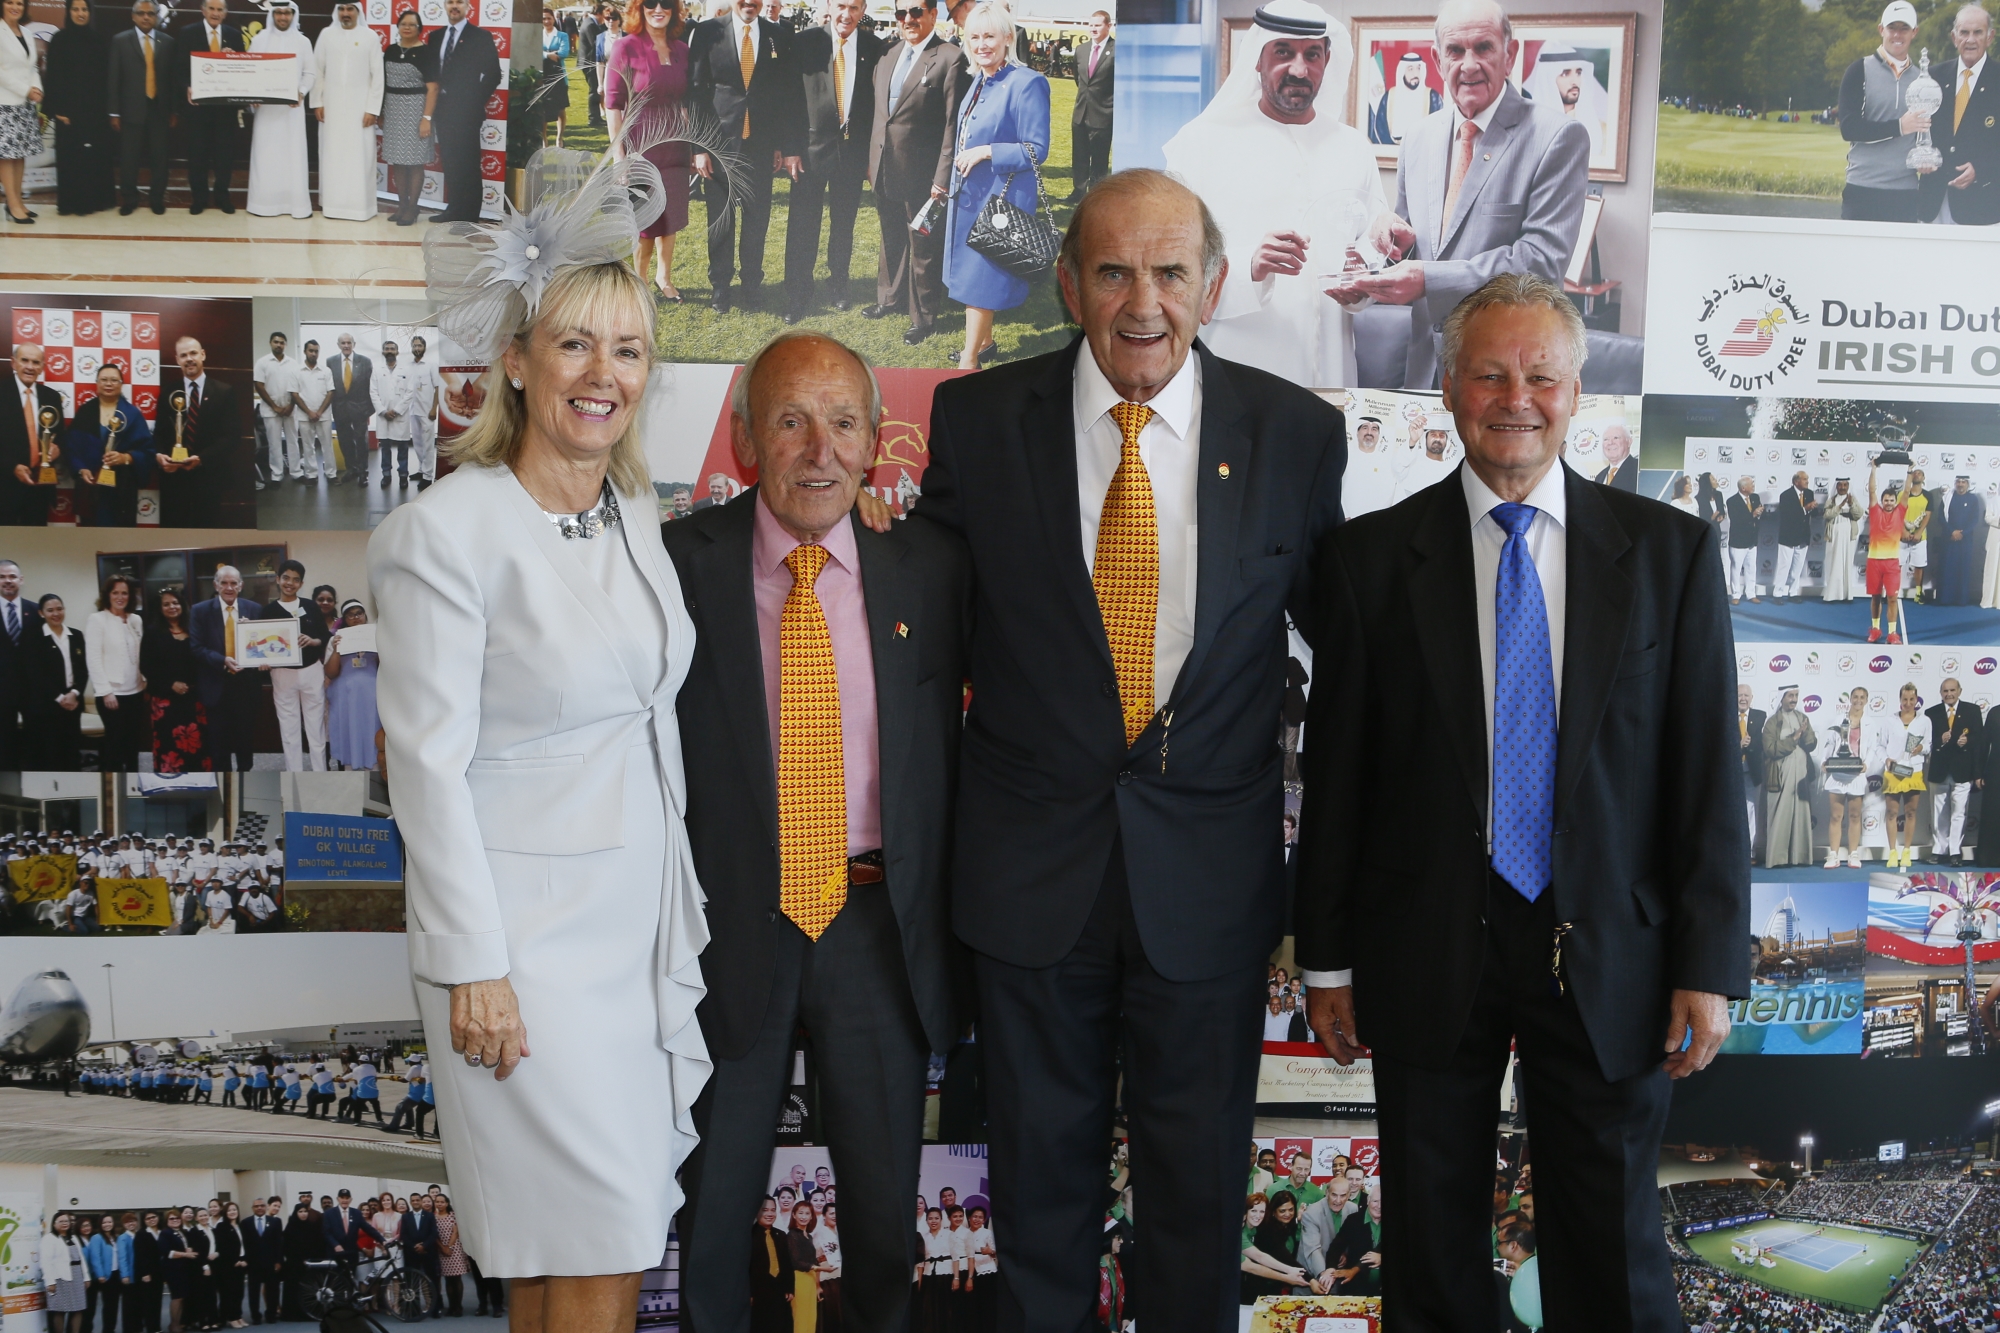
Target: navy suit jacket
<point x="419" y="1228"/>
<point x="343" y="1226"/>
<point x="205" y="629"/>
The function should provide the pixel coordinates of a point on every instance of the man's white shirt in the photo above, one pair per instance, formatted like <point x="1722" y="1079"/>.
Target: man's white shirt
<point x="1170" y="447"/>
<point x="1548" y="547"/>
<point x="278" y="378"/>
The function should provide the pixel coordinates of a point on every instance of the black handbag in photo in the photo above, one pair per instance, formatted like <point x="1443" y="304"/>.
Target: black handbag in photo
<point x="1019" y="241"/>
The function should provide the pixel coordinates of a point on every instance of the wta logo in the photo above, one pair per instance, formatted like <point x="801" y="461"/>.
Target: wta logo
<point x="1879" y="664"/>
<point x="1984" y="666"/>
<point x="1781" y="662"/>
<point x="1811" y="704"/>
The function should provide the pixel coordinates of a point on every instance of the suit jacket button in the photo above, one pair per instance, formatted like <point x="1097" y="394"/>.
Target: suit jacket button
<point x="1125" y="778"/>
<point x="771" y="915"/>
<point x="1107" y="689"/>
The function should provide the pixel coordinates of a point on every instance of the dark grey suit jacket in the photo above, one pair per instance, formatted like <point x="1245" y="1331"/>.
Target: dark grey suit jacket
<point x="1518" y="211"/>
<point x="910" y="148"/>
<point x="916" y="579"/>
<point x="128" y="77"/>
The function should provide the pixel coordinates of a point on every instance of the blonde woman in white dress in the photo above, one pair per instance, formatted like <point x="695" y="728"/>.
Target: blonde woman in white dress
<point x="533" y="638"/>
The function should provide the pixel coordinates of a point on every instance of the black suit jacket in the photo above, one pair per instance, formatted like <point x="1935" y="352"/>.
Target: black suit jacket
<point x="1949" y="761"/>
<point x="909" y="150"/>
<point x="42" y="670"/>
<point x="192" y="37"/>
<point x="1651" y="856"/>
<point x="1752" y="759"/>
<point x="1975" y="141"/>
<point x="1794" y="523"/>
<point x="128" y="77"/>
<point x="916" y="578"/>
<point x="1049" y="786"/>
<point x="1093" y="90"/>
<point x="831" y="150"/>
<point x="358" y="396"/>
<point x="465" y="84"/>
<point x="149" y="1257"/>
<point x="1743" y="520"/>
<point x="194" y="498"/>
<point x="715" y="84"/>
<point x="267" y="1250"/>
<point x="13" y="661"/>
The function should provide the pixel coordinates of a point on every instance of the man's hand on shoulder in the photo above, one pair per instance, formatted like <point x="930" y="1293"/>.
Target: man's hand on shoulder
<point x="1330" y="1015"/>
<point x="1700" y="1020"/>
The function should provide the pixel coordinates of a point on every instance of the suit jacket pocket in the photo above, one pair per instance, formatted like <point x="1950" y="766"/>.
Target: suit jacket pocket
<point x="1642" y="663"/>
<point x="556" y="805"/>
<point x="1652" y="907"/>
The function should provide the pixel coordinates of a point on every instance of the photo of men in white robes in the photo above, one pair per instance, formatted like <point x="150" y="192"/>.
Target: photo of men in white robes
<point x="346" y="93"/>
<point x="278" y="178"/>
<point x="1292" y="187"/>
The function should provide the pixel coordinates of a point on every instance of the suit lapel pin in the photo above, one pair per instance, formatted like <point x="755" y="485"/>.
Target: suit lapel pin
<point x="1222" y="471"/>
<point x="902" y="630"/>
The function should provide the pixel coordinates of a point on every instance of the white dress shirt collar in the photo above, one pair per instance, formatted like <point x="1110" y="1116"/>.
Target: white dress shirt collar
<point x="62" y="644"/>
<point x="1484" y="120"/>
<point x="1971" y="76"/>
<point x="1548" y="495"/>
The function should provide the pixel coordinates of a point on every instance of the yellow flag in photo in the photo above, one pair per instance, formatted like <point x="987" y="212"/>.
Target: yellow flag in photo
<point x="134" y="902"/>
<point x="38" y="879"/>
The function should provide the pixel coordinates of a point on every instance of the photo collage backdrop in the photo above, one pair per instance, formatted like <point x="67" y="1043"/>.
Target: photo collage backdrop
<point x="1780" y="338"/>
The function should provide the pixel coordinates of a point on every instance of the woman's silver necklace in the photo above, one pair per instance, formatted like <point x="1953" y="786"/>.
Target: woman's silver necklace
<point x="595" y="521"/>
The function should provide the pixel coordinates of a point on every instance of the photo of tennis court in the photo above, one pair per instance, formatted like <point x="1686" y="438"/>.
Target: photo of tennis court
<point x="1839" y="1265"/>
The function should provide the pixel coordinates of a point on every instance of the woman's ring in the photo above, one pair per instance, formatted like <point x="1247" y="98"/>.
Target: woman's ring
<point x="472" y="1058"/>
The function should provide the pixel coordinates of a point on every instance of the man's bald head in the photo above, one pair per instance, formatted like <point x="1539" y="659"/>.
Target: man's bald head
<point x="28" y="362"/>
<point x="804" y="413"/>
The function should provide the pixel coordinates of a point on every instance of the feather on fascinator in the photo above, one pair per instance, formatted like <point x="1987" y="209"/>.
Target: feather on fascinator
<point x="486" y="279"/>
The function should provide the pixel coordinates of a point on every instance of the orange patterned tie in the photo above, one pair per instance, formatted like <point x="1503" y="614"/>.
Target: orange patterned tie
<point x="812" y="772"/>
<point x="1126" y="574"/>
<point x="746" y="61"/>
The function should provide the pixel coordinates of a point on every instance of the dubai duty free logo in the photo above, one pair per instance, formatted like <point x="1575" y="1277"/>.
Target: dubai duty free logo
<point x="1749" y="334"/>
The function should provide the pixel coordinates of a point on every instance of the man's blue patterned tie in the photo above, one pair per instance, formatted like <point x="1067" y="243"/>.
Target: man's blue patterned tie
<point x="1524" y="713"/>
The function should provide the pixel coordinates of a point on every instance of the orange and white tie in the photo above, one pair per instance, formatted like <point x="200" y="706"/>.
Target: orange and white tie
<point x="812" y="773"/>
<point x="1126" y="573"/>
<point x="747" y="61"/>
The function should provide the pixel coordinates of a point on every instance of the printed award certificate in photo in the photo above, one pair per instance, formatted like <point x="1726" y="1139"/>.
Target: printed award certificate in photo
<point x="239" y="76"/>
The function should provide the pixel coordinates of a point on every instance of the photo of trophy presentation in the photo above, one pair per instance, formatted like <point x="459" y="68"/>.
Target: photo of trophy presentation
<point x="68" y="346"/>
<point x="1297" y="212"/>
<point x="314" y="715"/>
<point x="1789" y="693"/>
<point x="1768" y="107"/>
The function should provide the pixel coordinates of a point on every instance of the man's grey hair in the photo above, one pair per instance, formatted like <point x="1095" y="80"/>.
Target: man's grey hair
<point x="1135" y="181"/>
<point x="220" y="570"/>
<point x="137" y="5"/>
<point x="1978" y="9"/>
<point x="739" y="392"/>
<point x="1522" y="291"/>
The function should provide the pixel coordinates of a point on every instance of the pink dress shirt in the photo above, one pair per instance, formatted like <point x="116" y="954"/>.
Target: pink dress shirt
<point x="846" y="608"/>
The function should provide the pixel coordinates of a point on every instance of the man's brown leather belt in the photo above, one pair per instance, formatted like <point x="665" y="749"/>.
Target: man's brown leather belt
<point x="865" y="868"/>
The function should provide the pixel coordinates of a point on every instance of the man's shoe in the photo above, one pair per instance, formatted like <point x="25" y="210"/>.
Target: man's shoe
<point x="794" y="315"/>
<point x="720" y="305"/>
<point x="841" y="302"/>
<point x="424" y="485"/>
<point x="876" y="312"/>
<point x="385" y="481"/>
<point x="127" y="210"/>
<point x="915" y="335"/>
<point x="196" y="210"/>
<point x="159" y="210"/>
<point x="226" y="208"/>
<point x="402" y="483"/>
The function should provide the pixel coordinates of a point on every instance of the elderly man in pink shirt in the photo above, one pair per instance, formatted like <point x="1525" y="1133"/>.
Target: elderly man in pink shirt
<point x="820" y="724"/>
